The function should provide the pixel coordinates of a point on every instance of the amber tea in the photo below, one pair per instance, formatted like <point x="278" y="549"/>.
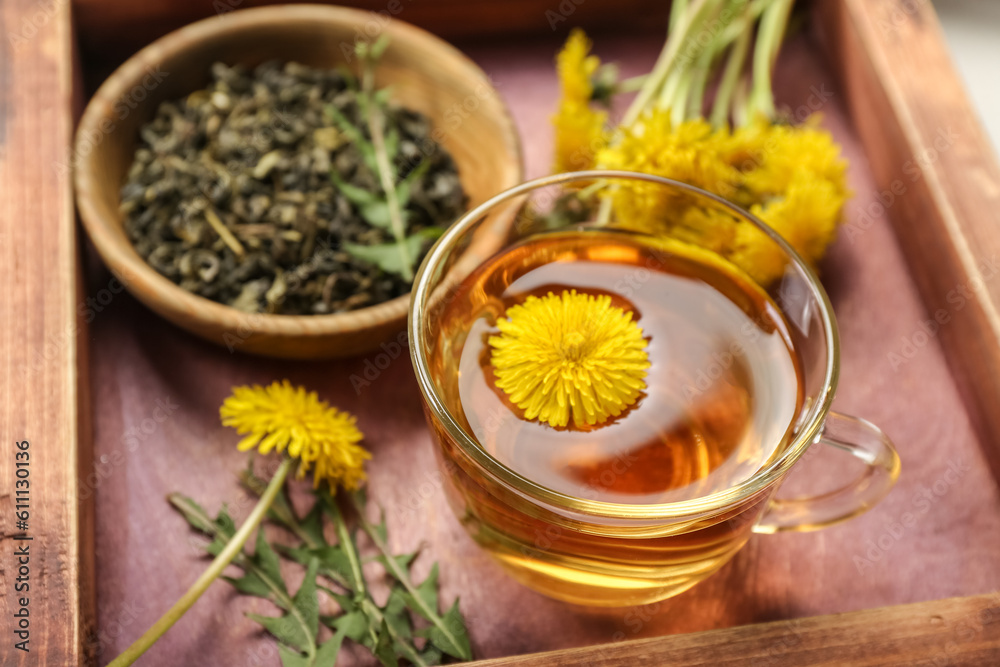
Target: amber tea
<point x="720" y="395"/>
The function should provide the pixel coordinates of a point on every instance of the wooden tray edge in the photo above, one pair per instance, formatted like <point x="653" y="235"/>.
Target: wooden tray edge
<point x="955" y="631"/>
<point x="939" y="182"/>
<point x="43" y="351"/>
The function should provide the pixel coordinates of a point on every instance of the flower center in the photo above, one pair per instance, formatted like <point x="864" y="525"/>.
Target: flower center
<point x="572" y="347"/>
<point x="569" y="356"/>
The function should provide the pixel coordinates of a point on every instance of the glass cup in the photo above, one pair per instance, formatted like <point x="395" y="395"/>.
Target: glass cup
<point x="588" y="551"/>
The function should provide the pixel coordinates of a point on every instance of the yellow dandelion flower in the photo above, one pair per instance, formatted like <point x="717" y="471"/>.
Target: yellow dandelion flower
<point x="291" y="420"/>
<point x="794" y="179"/>
<point x="806" y="216"/>
<point x="576" y="67"/>
<point x="708" y="228"/>
<point x="686" y="152"/>
<point x="570" y="356"/>
<point x="770" y="156"/>
<point x="579" y="129"/>
<point x="580" y="135"/>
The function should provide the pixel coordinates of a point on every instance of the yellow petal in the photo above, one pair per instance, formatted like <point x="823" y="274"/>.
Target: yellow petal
<point x="288" y="418"/>
<point x="562" y="357"/>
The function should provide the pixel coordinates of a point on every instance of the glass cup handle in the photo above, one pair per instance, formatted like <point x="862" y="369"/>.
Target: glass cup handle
<point x="859" y="438"/>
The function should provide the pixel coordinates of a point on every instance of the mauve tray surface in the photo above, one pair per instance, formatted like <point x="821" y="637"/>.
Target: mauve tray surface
<point x="156" y="393"/>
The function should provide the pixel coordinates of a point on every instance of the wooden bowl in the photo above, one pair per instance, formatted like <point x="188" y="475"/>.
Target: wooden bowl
<point x="426" y="74"/>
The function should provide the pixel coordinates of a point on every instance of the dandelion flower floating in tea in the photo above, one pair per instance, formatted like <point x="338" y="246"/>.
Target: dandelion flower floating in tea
<point x="286" y="418"/>
<point x="569" y="356"/>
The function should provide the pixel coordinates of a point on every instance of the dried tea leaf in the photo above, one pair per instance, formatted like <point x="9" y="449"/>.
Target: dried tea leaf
<point x="248" y="192"/>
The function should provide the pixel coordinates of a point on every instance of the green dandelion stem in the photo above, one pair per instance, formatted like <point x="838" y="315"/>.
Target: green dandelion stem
<point x="403" y="577"/>
<point x="693" y="16"/>
<point x="730" y="78"/>
<point x="232" y="549"/>
<point x="770" y="34"/>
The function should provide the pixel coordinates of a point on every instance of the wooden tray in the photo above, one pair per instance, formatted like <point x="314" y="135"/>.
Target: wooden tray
<point x="883" y="78"/>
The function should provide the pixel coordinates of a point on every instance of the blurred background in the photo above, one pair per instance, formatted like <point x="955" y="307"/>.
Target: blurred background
<point x="973" y="31"/>
<point x="111" y="30"/>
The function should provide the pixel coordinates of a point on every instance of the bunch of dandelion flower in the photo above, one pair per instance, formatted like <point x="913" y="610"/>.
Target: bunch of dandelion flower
<point x="309" y="434"/>
<point x="569" y="357"/>
<point x="792" y="177"/>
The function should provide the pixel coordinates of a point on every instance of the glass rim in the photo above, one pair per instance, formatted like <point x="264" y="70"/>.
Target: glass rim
<point x="712" y="503"/>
